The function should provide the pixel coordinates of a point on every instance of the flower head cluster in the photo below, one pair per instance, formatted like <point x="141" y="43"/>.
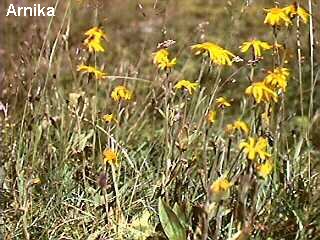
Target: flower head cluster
<point x="186" y="84"/>
<point x="222" y="103"/>
<point x="94" y="39"/>
<point x="255" y="147"/>
<point x="278" y="78"/>
<point x="217" y="54"/>
<point x="161" y="59"/>
<point x="109" y="118"/>
<point x="121" y="93"/>
<point x="92" y="70"/>
<point x="220" y="189"/>
<point x="257" y="47"/>
<point x="276" y="17"/>
<point x="238" y="125"/>
<point x="293" y="10"/>
<point x="220" y="185"/>
<point x="110" y="156"/>
<point x="265" y="169"/>
<point x="261" y="92"/>
<point x="283" y="16"/>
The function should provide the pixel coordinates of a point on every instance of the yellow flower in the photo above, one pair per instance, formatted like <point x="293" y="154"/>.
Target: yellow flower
<point x="212" y="116"/>
<point x="92" y="70"/>
<point x="278" y="78"/>
<point x="217" y="54"/>
<point x="110" y="156"/>
<point x="265" y="169"/>
<point x="276" y="17"/>
<point x="261" y="92"/>
<point x="161" y="59"/>
<point x="241" y="126"/>
<point x="220" y="185"/>
<point x="222" y="102"/>
<point x="121" y="93"/>
<point x="256" y="45"/>
<point x="187" y="85"/>
<point x="93" y="40"/>
<point x="255" y="147"/>
<point x="109" y="118"/>
<point x="293" y="10"/>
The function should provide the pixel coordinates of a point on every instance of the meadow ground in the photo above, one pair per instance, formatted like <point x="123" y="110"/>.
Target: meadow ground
<point x="194" y="119"/>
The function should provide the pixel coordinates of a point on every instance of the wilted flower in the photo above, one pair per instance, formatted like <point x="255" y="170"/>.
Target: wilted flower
<point x="293" y="10"/>
<point x="190" y="86"/>
<point x="110" y="156"/>
<point x="277" y="17"/>
<point x="265" y="169"/>
<point x="256" y="45"/>
<point x="217" y="54"/>
<point x="74" y="98"/>
<point x="92" y="70"/>
<point x="222" y="102"/>
<point x="278" y="78"/>
<point x="261" y="92"/>
<point x="161" y="59"/>
<point x="121" y="93"/>
<point x="94" y="38"/>
<point x="212" y="116"/>
<point x="109" y="118"/>
<point x="255" y="148"/>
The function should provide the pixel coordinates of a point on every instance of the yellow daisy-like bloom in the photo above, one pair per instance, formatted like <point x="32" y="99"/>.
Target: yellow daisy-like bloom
<point x="110" y="156"/>
<point x="257" y="47"/>
<point x="241" y="126"/>
<point x="212" y="116"/>
<point x="254" y="148"/>
<point x="217" y="54"/>
<point x="278" y="78"/>
<point x="93" y="41"/>
<point x="220" y="185"/>
<point x="109" y="118"/>
<point x="92" y="70"/>
<point x="293" y="10"/>
<point x="190" y="86"/>
<point x="238" y="125"/>
<point x="121" y="93"/>
<point x="265" y="169"/>
<point x="222" y="102"/>
<point x="261" y="92"/>
<point x="277" y="17"/>
<point x="161" y="59"/>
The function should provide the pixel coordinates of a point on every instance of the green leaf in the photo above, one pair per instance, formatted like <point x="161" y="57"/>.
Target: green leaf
<point x="181" y="214"/>
<point x="170" y="222"/>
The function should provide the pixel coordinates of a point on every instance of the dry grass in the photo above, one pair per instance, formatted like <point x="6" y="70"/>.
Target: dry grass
<point x="54" y="183"/>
